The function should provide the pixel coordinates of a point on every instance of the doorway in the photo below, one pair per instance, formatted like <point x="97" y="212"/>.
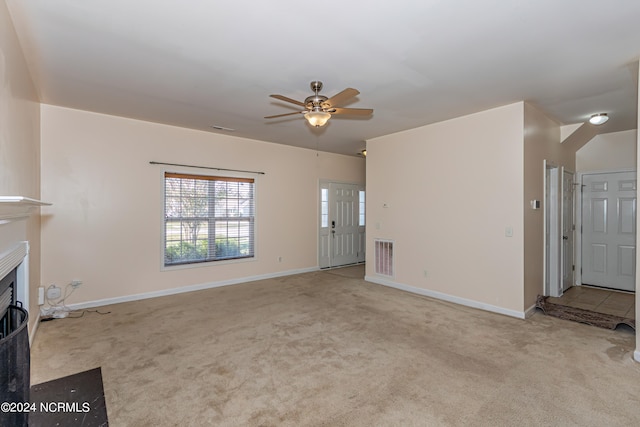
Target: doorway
<point x="559" y="223"/>
<point x="609" y="230"/>
<point x="341" y="224"/>
<point x="568" y="229"/>
<point x="551" y="245"/>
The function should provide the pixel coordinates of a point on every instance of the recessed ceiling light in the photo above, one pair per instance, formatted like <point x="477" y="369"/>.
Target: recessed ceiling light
<point x="598" y="119"/>
<point x="216" y="127"/>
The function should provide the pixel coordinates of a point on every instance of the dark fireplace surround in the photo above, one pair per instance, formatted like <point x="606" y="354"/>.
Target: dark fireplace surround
<point x="14" y="350"/>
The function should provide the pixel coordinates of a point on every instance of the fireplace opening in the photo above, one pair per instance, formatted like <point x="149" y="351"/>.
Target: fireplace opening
<point x="7" y="298"/>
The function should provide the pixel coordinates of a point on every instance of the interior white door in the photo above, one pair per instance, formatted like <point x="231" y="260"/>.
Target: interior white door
<point x="343" y="199"/>
<point x="567" y="263"/>
<point x="609" y="230"/>
<point x="341" y="236"/>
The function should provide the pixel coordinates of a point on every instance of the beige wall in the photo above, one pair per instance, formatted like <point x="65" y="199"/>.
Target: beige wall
<point x="105" y="227"/>
<point x="609" y="151"/>
<point x="541" y="142"/>
<point x="452" y="188"/>
<point x="19" y="148"/>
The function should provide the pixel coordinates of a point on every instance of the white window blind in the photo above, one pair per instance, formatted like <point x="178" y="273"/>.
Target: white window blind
<point x="208" y="218"/>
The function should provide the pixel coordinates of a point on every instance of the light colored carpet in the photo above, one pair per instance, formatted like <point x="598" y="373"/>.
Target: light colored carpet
<point x="327" y="349"/>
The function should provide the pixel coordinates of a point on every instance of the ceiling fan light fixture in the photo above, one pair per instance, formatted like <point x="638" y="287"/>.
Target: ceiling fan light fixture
<point x="318" y="109"/>
<point x="599" y="119"/>
<point x="317" y="118"/>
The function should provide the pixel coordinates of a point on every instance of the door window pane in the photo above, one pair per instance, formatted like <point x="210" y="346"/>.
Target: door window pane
<point x="324" y="207"/>
<point x="361" y="205"/>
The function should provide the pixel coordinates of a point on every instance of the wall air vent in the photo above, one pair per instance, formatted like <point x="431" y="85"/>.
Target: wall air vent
<point x="384" y="257"/>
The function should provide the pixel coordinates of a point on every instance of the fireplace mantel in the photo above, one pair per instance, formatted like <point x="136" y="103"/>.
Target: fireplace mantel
<point x="13" y="208"/>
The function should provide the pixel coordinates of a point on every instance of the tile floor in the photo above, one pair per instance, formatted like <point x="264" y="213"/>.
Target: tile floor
<point x="352" y="271"/>
<point x="599" y="300"/>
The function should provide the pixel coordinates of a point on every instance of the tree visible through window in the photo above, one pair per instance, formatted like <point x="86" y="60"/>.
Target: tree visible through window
<point x="207" y="218"/>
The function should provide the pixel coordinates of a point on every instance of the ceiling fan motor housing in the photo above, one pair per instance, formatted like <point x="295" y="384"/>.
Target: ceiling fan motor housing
<point x="318" y="105"/>
<point x="315" y="101"/>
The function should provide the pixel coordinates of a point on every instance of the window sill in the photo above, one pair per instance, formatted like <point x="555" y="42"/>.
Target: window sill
<point x="207" y="264"/>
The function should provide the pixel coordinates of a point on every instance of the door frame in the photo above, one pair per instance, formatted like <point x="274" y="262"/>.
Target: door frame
<point x="551" y="237"/>
<point x="326" y="183"/>
<point x="577" y="278"/>
<point x="554" y="221"/>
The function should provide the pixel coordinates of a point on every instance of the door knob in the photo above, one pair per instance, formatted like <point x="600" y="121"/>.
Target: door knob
<point x="565" y="237"/>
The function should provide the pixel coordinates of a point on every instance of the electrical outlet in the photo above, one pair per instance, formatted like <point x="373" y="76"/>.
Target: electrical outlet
<point x="75" y="284"/>
<point x="279" y="259"/>
<point x="41" y="295"/>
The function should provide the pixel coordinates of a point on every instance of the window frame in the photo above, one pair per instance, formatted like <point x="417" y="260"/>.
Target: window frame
<point x="224" y="176"/>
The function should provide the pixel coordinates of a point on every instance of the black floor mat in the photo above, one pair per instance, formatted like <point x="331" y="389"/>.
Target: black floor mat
<point x="76" y="400"/>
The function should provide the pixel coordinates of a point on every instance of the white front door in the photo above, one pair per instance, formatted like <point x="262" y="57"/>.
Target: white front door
<point x="341" y="235"/>
<point x="567" y="264"/>
<point x="609" y="230"/>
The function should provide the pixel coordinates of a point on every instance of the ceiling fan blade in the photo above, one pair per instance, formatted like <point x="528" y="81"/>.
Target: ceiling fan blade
<point x="284" y="98"/>
<point x="353" y="111"/>
<point x="341" y="97"/>
<point x="282" y="115"/>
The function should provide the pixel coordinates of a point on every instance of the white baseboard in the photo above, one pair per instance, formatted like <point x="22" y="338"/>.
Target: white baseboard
<point x="529" y="311"/>
<point x="449" y="298"/>
<point x="184" y="289"/>
<point x="636" y="355"/>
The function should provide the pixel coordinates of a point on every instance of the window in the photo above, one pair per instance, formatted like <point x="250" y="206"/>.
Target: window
<point x="207" y="218"/>
<point x="361" y="204"/>
<point x="324" y="207"/>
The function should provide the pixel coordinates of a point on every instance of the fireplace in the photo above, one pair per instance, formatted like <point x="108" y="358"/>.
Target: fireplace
<point x="14" y="333"/>
<point x="14" y="303"/>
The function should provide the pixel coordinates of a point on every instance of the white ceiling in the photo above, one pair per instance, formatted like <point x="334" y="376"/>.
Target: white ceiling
<point x="198" y="63"/>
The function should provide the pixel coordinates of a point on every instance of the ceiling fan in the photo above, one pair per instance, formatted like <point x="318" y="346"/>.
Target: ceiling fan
<point x="319" y="108"/>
